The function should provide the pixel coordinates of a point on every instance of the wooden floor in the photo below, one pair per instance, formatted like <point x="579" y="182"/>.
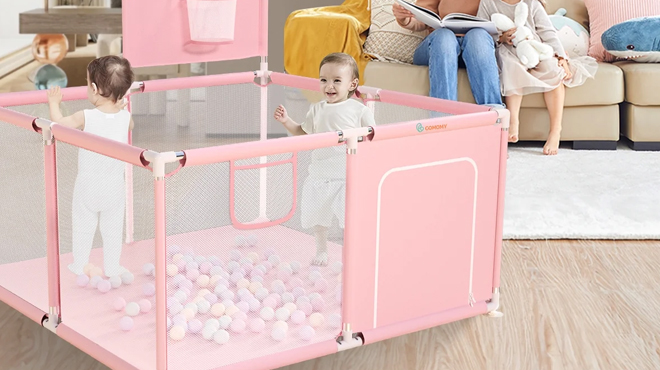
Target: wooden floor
<point x="567" y="305"/>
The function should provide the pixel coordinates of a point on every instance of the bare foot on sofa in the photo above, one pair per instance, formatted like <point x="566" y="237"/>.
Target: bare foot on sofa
<point x="513" y="131"/>
<point x="551" y="146"/>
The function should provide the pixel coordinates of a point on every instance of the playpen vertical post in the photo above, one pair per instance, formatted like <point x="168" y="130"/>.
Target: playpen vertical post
<point x="129" y="189"/>
<point x="161" y="254"/>
<point x="350" y="301"/>
<point x="52" y="226"/>
<point x="263" y="131"/>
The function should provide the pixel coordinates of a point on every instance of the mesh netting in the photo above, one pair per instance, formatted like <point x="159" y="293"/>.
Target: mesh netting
<point x="222" y="278"/>
<point x="103" y="277"/>
<point x="23" y="229"/>
<point x="388" y="113"/>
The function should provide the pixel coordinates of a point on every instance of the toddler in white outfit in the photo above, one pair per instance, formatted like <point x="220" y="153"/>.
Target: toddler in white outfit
<point x="99" y="191"/>
<point x="324" y="190"/>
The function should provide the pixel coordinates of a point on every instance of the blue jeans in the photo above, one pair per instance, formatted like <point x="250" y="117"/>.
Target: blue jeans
<point x="440" y="51"/>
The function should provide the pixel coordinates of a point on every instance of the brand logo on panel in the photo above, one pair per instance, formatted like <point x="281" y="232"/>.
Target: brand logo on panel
<point x="421" y="127"/>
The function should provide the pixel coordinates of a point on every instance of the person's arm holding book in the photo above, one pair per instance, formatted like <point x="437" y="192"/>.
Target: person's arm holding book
<point x="406" y="19"/>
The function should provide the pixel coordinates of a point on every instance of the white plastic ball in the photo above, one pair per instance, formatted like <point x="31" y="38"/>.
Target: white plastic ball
<point x="278" y="334"/>
<point x="94" y="281"/>
<point x="227" y="294"/>
<point x="281" y="325"/>
<point x="228" y="303"/>
<point x="232" y="266"/>
<point x="132" y="309"/>
<point x="298" y="317"/>
<point x="252" y="240"/>
<point x="208" y="332"/>
<point x="224" y="322"/>
<point x="337" y="267"/>
<point x="126" y="323"/>
<point x="193" y="307"/>
<point x="175" y="308"/>
<point x="267" y="313"/>
<point x="282" y="314"/>
<point x="203" y="306"/>
<point x="148" y="268"/>
<point x="221" y="336"/>
<point x="181" y="296"/>
<point x="220" y="288"/>
<point x="261" y="293"/>
<point x="307" y="333"/>
<point x="288" y="297"/>
<point x="235" y="255"/>
<point x="212" y="322"/>
<point x="274" y="259"/>
<point x="295" y="266"/>
<point x="290" y="306"/>
<point x="334" y="320"/>
<point x="315" y="275"/>
<point x="240" y="241"/>
<point x="259" y="279"/>
<point x="115" y="281"/>
<point x="127" y="278"/>
<point x="254" y="304"/>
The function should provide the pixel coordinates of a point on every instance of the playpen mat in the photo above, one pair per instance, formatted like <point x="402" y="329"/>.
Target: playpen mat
<point x="90" y="312"/>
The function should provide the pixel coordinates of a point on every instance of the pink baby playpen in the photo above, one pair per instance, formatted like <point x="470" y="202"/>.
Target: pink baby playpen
<point x="213" y="238"/>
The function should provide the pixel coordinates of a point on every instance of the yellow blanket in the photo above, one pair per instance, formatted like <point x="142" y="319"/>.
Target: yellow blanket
<point x="311" y="34"/>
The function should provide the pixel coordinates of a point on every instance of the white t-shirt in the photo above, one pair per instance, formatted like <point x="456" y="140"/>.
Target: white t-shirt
<point x="326" y="117"/>
<point x="110" y="126"/>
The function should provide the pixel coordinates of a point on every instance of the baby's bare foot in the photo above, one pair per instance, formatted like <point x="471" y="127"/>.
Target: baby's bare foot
<point x="513" y="132"/>
<point x="551" y="146"/>
<point x="321" y="259"/>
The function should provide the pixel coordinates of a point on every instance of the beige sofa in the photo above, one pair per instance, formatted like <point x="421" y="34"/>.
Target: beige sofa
<point x="619" y="100"/>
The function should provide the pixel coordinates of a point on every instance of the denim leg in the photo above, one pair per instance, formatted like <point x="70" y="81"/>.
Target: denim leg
<point x="440" y="51"/>
<point x="478" y="49"/>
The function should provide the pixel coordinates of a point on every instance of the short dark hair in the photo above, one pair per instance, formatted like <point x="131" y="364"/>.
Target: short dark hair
<point x="112" y="75"/>
<point x="345" y="60"/>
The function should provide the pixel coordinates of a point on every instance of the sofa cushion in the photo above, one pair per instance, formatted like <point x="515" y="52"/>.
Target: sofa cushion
<point x="387" y="40"/>
<point x="604" y="89"/>
<point x="641" y="81"/>
<point x="575" y="9"/>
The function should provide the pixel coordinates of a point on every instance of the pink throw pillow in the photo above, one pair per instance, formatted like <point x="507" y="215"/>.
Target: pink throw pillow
<point x="604" y="14"/>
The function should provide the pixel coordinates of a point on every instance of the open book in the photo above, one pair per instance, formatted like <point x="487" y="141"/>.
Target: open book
<point x="458" y="22"/>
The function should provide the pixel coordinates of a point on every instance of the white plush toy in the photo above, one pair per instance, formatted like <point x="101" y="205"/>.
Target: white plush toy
<point x="529" y="51"/>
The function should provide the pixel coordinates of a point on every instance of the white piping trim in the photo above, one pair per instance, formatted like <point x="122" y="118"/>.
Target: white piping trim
<point x="474" y="219"/>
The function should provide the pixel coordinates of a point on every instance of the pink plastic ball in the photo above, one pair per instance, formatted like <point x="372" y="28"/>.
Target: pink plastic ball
<point x="284" y="275"/>
<point x="298" y="292"/>
<point x="298" y="317"/>
<point x="277" y="298"/>
<point x="192" y="274"/>
<point x="187" y="284"/>
<point x="295" y="282"/>
<point x="243" y="306"/>
<point x="181" y="265"/>
<point x="212" y="298"/>
<point x="255" y="305"/>
<point x="255" y="272"/>
<point x="257" y="325"/>
<point x="82" y="280"/>
<point x="247" y="267"/>
<point x="269" y="266"/>
<point x="269" y="252"/>
<point x="195" y="326"/>
<point x="149" y="289"/>
<point x="237" y="326"/>
<point x="240" y="315"/>
<point x="270" y="302"/>
<point x="205" y="267"/>
<point x="119" y="304"/>
<point x="307" y="333"/>
<point x="306" y="307"/>
<point x="104" y="286"/>
<point x="94" y="281"/>
<point x="126" y="323"/>
<point x="318" y="304"/>
<point x="321" y="285"/>
<point x="145" y="305"/>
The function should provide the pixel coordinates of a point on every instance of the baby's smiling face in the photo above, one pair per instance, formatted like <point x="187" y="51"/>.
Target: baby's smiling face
<point x="336" y="82"/>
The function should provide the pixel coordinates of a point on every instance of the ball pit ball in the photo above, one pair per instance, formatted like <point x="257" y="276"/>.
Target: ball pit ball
<point x="274" y="259"/>
<point x="301" y="299"/>
<point x="115" y="281"/>
<point x="179" y="319"/>
<point x="221" y="336"/>
<point x="186" y="284"/>
<point x="192" y="275"/>
<point x="188" y="313"/>
<point x="243" y="283"/>
<point x="269" y="302"/>
<point x="278" y="334"/>
<point x="288" y="297"/>
<point x="255" y="305"/>
<point x="172" y="270"/>
<point x="147" y="268"/>
<point x="297" y="292"/>
<point x="235" y="255"/>
<point x="213" y="323"/>
<point x="334" y="320"/>
<point x="315" y="275"/>
<point x="262" y="268"/>
<point x="240" y="241"/>
<point x="283" y="266"/>
<point x="149" y="289"/>
<point x="145" y="305"/>
<point x="177" y="332"/>
<point x="245" y="261"/>
<point x="205" y="267"/>
<point x="338" y="296"/>
<point x="277" y="297"/>
<point x="96" y="271"/>
<point x="316" y="319"/>
<point x="126" y="323"/>
<point x="243" y="292"/>
<point x="295" y="283"/>
<point x="228" y="303"/>
<point x="318" y="304"/>
<point x="240" y="315"/>
<point x="295" y="266"/>
<point x="218" y="309"/>
<point x="180" y="265"/>
<point x="192" y="266"/>
<point x="261" y="293"/>
<point x="247" y="267"/>
<point x="281" y="325"/>
<point x="198" y="299"/>
<point x="337" y="267"/>
<point x="284" y="275"/>
<point x="104" y="286"/>
<point x="257" y="272"/>
<point x="278" y="286"/>
<point x="224" y="321"/>
<point x="253" y="256"/>
<point x="173" y="249"/>
<point x="268" y="265"/>
<point x="267" y="313"/>
<point x="314" y="295"/>
<point x="203" y="306"/>
<point x="119" y="303"/>
<point x="236" y="276"/>
<point x="94" y="281"/>
<point x="132" y="309"/>
<point x="269" y="252"/>
<point x="213" y="281"/>
<point x="307" y="333"/>
<point x="290" y="306"/>
<point x="252" y="240"/>
<point x="306" y="307"/>
<point x="127" y="278"/>
<point x="208" y="332"/>
<point x="195" y="326"/>
<point x="169" y="323"/>
<point x="254" y="286"/>
<point x="181" y="296"/>
<point x="203" y="281"/>
<point x="339" y="278"/>
<point x="321" y="285"/>
<point x="203" y="292"/>
<point x="200" y="259"/>
<point x="82" y="280"/>
<point x="227" y="294"/>
<point x="216" y="270"/>
<point x="231" y="266"/>
<point x="243" y="306"/>
<point x="211" y="298"/>
<point x="282" y="314"/>
<point x="220" y="288"/>
<point x="192" y="306"/>
<point x="298" y="317"/>
<point x="175" y="308"/>
<point x="230" y="311"/>
<point x="259" y="279"/>
<point x="88" y="268"/>
<point x="237" y="326"/>
<point x="177" y="257"/>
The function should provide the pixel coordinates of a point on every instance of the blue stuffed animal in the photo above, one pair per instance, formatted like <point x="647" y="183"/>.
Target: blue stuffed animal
<point x="572" y="35"/>
<point x="636" y="39"/>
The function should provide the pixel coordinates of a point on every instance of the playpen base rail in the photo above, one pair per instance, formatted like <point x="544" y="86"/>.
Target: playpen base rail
<point x="20" y="305"/>
<point x="99" y="353"/>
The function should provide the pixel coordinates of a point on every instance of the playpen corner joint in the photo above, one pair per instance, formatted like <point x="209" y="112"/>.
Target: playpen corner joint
<point x="493" y="304"/>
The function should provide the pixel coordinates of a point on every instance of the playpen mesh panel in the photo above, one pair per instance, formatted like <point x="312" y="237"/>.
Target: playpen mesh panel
<point x="388" y="113"/>
<point x="23" y="205"/>
<point x="224" y="274"/>
<point x="92" y="214"/>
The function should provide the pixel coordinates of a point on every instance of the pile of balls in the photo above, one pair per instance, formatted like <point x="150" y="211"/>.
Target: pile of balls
<point x="92" y="276"/>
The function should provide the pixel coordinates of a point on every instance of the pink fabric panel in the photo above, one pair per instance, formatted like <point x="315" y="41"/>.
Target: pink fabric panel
<point x="419" y="191"/>
<point x="434" y="126"/>
<point x="21" y="306"/>
<point x="422" y="323"/>
<point x="111" y="148"/>
<point x="425" y="102"/>
<point x="604" y="14"/>
<point x="52" y="228"/>
<point x="39" y="96"/>
<point x="201" y="156"/>
<point x="17" y="118"/>
<point x="92" y="349"/>
<point x="286" y="358"/>
<point x="195" y="82"/>
<point x="157" y="32"/>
